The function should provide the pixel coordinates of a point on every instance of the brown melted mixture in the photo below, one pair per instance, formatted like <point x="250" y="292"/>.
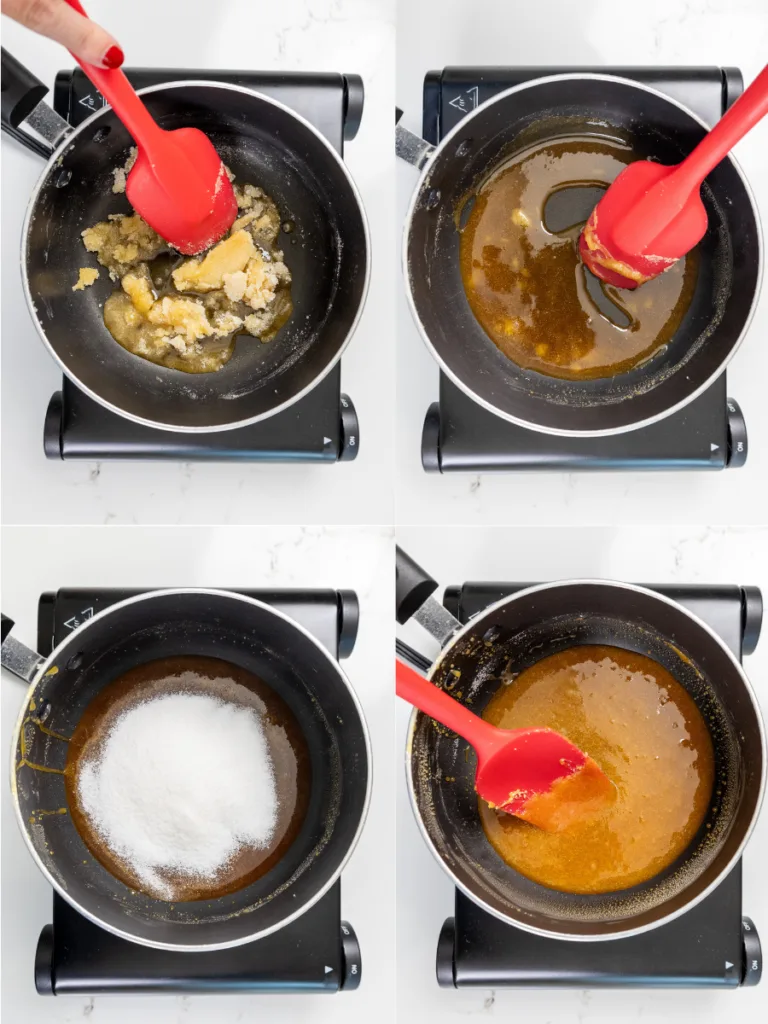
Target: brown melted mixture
<point x="287" y="747"/>
<point x="525" y="281"/>
<point x="645" y="732"/>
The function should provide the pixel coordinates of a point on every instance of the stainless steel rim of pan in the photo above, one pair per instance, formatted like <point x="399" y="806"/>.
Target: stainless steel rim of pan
<point x="85" y="126"/>
<point x="446" y="369"/>
<point x="73" y="638"/>
<point x="522" y="596"/>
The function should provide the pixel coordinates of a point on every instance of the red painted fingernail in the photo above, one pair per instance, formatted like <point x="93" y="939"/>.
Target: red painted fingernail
<point x="113" y="58"/>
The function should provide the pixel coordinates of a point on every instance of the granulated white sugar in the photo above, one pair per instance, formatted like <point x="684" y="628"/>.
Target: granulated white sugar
<point x="180" y="783"/>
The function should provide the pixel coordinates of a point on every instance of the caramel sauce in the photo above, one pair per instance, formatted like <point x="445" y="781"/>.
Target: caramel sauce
<point x="526" y="284"/>
<point x="644" y="731"/>
<point x="574" y="798"/>
<point x="219" y="679"/>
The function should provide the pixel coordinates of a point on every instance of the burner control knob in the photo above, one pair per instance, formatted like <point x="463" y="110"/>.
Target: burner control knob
<point x="348" y="618"/>
<point x="737" y="435"/>
<point x="350" y="431"/>
<point x="444" y="964"/>
<point x="751" y="618"/>
<point x="351" y="962"/>
<point x="52" y="427"/>
<point x="753" y="955"/>
<point x="44" y="962"/>
<point x="430" y="440"/>
<point x="354" y="101"/>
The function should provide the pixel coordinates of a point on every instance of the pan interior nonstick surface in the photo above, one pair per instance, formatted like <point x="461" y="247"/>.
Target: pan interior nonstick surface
<point x="287" y="662"/>
<point x="728" y="270"/>
<point x="325" y="252"/>
<point x="443" y="768"/>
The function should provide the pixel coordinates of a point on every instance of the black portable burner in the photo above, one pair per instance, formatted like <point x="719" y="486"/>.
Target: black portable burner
<point x="712" y="945"/>
<point x="322" y="426"/>
<point x="460" y="435"/>
<point x="318" y="952"/>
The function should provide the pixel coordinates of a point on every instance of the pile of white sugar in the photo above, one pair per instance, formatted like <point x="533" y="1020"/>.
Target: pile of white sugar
<point x="180" y="783"/>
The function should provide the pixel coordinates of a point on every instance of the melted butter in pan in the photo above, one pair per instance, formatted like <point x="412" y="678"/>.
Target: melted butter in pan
<point x="196" y="674"/>
<point x="527" y="286"/>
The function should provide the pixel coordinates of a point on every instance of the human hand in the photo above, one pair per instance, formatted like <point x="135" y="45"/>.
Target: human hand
<point x="57" y="20"/>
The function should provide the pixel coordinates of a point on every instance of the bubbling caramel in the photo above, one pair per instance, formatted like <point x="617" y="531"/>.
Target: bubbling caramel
<point x="645" y="732"/>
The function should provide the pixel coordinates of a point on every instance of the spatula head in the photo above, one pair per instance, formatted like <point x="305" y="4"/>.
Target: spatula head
<point x="579" y="797"/>
<point x="554" y="781"/>
<point x="182" y="191"/>
<point x="607" y="249"/>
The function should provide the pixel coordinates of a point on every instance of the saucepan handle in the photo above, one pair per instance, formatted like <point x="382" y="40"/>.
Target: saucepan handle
<point x="24" y="110"/>
<point x="405" y="652"/>
<point x="16" y="656"/>
<point x="413" y="599"/>
<point x="409" y="146"/>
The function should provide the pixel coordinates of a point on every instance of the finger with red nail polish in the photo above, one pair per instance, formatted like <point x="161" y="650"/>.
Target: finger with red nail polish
<point x="113" y="58"/>
<point x="60" y="21"/>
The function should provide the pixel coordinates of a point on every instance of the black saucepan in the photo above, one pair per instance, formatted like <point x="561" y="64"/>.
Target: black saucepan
<point x="191" y="622"/>
<point x="264" y="143"/>
<point x="658" y="127"/>
<point x="520" y="630"/>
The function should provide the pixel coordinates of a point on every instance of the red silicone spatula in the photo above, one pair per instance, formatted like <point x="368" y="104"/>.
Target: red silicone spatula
<point x="535" y="774"/>
<point x="653" y="214"/>
<point x="178" y="183"/>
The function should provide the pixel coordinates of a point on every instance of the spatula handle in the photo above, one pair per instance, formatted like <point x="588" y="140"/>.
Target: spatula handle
<point x="120" y="94"/>
<point x="425" y="696"/>
<point x="740" y="118"/>
<point x="641" y="225"/>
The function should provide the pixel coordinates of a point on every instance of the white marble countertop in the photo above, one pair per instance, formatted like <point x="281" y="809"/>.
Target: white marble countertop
<point x="360" y="559"/>
<point x="424" y="892"/>
<point x="434" y="33"/>
<point x="304" y="35"/>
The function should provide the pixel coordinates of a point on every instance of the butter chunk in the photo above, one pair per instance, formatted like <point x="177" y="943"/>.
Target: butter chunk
<point x="139" y="290"/>
<point x="86" y="276"/>
<point x="185" y="348"/>
<point x="257" y="323"/>
<point x="261" y="282"/>
<point x="207" y="275"/>
<point x="120" y="174"/>
<point x="186" y="317"/>
<point x="235" y="285"/>
<point x="122" y="239"/>
<point x="226" y="323"/>
<point x="246" y="194"/>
